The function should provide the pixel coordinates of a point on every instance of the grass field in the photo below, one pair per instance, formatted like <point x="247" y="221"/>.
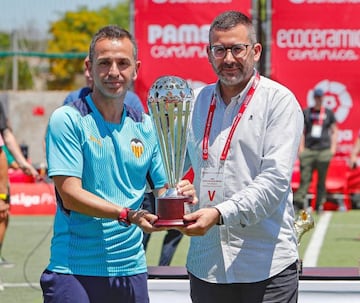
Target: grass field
<point x="28" y="239"/>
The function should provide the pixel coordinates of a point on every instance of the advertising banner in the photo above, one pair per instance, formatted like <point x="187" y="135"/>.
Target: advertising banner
<point x="172" y="36"/>
<point x="32" y="198"/>
<point x="316" y="44"/>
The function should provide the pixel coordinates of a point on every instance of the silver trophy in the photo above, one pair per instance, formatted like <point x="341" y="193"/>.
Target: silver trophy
<point x="170" y="102"/>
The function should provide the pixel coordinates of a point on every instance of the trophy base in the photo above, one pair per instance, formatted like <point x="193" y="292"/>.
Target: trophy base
<point x="171" y="210"/>
<point x="171" y="223"/>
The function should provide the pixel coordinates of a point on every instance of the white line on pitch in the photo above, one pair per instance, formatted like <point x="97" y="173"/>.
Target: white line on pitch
<point x="313" y="250"/>
<point x="17" y="285"/>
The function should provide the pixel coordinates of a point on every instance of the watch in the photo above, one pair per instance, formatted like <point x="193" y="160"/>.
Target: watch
<point x="123" y="218"/>
<point x="221" y="220"/>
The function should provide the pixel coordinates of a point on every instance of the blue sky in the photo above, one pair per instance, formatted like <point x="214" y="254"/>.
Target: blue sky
<point x="22" y="14"/>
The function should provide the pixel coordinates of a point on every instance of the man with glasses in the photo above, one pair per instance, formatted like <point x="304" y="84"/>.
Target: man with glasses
<point x="243" y="142"/>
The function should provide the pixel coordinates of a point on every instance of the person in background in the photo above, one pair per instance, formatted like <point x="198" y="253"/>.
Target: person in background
<point x="13" y="146"/>
<point x="99" y="151"/>
<point x="9" y="140"/>
<point x="131" y="99"/>
<point x="354" y="152"/>
<point x="317" y="147"/>
<point x="81" y="92"/>
<point x="243" y="142"/>
<point x="10" y="159"/>
<point x="4" y="201"/>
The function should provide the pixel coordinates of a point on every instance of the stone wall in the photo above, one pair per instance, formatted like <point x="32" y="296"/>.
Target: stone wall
<point x="28" y="113"/>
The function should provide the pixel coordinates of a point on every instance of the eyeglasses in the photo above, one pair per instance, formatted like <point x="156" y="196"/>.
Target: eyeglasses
<point x="237" y="50"/>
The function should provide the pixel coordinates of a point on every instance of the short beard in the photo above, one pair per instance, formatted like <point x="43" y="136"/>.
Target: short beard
<point x="242" y="76"/>
<point x="233" y="81"/>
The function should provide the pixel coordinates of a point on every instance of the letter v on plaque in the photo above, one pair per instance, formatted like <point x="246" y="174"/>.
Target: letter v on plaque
<point x="211" y="195"/>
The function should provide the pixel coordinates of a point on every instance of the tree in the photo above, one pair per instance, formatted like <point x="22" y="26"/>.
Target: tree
<point x="72" y="34"/>
<point x="6" y="66"/>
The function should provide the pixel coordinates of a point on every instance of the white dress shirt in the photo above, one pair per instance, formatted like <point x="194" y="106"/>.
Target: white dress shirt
<point x="257" y="240"/>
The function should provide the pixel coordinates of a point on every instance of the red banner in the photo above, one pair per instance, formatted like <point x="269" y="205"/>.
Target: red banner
<point x="317" y="44"/>
<point x="172" y="36"/>
<point x="32" y="198"/>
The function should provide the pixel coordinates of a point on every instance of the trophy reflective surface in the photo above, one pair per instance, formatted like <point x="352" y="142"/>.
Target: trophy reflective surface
<point x="170" y="103"/>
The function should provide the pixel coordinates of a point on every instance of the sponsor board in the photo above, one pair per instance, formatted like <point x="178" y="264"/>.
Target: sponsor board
<point x="313" y="49"/>
<point x="32" y="198"/>
<point x="172" y="36"/>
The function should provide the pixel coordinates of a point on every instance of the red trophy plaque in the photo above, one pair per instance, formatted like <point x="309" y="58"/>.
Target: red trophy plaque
<point x="170" y="102"/>
<point x="171" y="210"/>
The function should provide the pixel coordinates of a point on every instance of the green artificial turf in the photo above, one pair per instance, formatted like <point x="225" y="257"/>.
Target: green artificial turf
<point x="28" y="239"/>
